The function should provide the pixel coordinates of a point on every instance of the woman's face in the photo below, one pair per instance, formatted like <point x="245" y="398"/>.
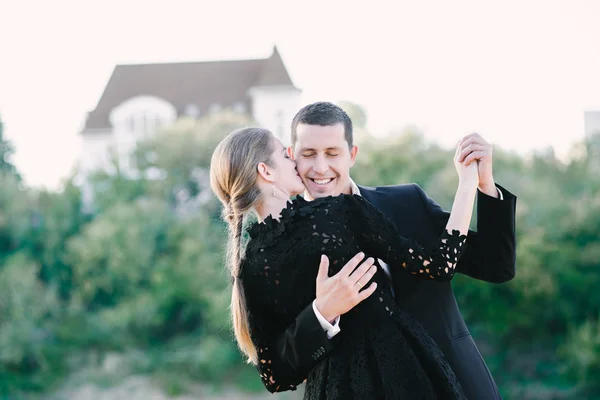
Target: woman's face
<point x="287" y="178"/>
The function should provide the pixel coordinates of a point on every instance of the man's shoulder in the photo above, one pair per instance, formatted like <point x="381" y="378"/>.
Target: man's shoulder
<point x="404" y="189"/>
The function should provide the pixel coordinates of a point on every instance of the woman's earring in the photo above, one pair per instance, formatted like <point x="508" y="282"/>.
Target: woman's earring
<point x="273" y="187"/>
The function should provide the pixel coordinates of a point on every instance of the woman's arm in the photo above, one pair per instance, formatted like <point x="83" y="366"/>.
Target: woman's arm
<point x="263" y="288"/>
<point x="379" y="237"/>
<point x="277" y="374"/>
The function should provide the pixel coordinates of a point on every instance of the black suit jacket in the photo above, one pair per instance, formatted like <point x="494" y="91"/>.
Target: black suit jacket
<point x="490" y="256"/>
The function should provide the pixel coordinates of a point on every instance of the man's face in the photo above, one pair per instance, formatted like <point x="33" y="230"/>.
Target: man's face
<point x="323" y="159"/>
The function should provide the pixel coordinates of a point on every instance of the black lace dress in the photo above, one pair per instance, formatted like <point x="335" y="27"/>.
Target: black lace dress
<point x="381" y="351"/>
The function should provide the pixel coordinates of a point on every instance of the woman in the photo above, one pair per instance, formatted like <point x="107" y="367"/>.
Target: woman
<point x="381" y="353"/>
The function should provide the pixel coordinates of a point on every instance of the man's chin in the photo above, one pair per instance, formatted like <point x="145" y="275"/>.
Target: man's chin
<point x="315" y="194"/>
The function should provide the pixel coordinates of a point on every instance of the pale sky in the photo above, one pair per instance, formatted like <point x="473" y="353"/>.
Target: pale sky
<point x="519" y="72"/>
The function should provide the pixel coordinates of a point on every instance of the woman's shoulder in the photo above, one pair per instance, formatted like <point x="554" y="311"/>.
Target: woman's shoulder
<point x="327" y="202"/>
<point x="291" y="217"/>
<point x="298" y="219"/>
<point x="333" y="208"/>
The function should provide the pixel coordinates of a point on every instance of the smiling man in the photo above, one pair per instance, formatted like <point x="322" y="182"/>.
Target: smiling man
<point x="324" y="150"/>
<point x="324" y="158"/>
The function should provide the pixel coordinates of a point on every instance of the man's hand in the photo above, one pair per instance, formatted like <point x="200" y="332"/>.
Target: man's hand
<point x="338" y="294"/>
<point x="474" y="148"/>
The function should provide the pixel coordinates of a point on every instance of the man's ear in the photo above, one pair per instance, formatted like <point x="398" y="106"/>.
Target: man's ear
<point x="290" y="152"/>
<point x="353" y="154"/>
<point x="265" y="172"/>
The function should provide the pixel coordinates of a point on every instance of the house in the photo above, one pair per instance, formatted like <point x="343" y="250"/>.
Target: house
<point x="591" y="122"/>
<point x="140" y="98"/>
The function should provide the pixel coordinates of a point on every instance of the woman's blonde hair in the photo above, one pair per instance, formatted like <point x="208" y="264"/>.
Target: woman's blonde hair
<point x="233" y="175"/>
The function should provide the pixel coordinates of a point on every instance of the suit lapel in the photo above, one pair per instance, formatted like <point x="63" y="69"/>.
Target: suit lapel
<point x="370" y="194"/>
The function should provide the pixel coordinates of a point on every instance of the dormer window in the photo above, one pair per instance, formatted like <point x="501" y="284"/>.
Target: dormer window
<point x="144" y="123"/>
<point x="142" y="116"/>
<point x="148" y="123"/>
<point x="130" y="123"/>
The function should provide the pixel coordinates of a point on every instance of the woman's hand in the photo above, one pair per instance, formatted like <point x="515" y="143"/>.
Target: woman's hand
<point x="468" y="180"/>
<point x="468" y="174"/>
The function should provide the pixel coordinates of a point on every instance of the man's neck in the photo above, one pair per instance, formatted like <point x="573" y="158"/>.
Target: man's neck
<point x="351" y="189"/>
<point x="354" y="188"/>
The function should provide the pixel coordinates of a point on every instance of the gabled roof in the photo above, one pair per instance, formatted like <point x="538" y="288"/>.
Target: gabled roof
<point x="182" y="84"/>
<point x="273" y="72"/>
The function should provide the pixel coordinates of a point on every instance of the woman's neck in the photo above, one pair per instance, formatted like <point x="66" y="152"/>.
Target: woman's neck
<point x="272" y="205"/>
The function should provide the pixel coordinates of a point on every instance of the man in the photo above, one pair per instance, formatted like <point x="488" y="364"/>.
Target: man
<point x="322" y="145"/>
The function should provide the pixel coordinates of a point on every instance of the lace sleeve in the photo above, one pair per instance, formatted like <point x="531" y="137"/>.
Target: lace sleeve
<point x="378" y="237"/>
<point x="276" y="374"/>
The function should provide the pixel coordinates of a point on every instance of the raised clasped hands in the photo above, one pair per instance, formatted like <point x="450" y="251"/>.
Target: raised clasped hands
<point x="474" y="151"/>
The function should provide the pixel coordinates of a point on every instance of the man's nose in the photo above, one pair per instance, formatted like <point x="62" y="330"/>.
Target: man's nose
<point x="321" y="165"/>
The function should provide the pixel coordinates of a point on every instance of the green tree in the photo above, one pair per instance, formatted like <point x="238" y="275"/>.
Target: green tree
<point x="15" y="215"/>
<point x="356" y="112"/>
<point x="29" y="359"/>
<point x="6" y="152"/>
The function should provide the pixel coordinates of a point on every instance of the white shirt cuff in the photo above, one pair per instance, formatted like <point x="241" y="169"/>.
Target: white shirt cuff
<point x="331" y="330"/>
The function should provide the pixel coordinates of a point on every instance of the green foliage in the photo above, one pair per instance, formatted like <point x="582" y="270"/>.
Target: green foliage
<point x="28" y="314"/>
<point x="357" y="113"/>
<point x="15" y="215"/>
<point x="6" y="152"/>
<point x="56" y="218"/>
<point x="583" y="351"/>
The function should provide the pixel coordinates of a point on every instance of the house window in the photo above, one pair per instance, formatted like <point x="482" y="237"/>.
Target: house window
<point x="130" y="123"/>
<point x="158" y="122"/>
<point x="144" y="124"/>
<point x="148" y="124"/>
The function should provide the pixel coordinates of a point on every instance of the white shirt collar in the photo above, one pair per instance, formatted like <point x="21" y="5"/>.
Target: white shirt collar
<point x="354" y="188"/>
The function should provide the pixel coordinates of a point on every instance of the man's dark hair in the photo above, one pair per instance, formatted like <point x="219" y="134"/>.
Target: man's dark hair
<point x="323" y="114"/>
